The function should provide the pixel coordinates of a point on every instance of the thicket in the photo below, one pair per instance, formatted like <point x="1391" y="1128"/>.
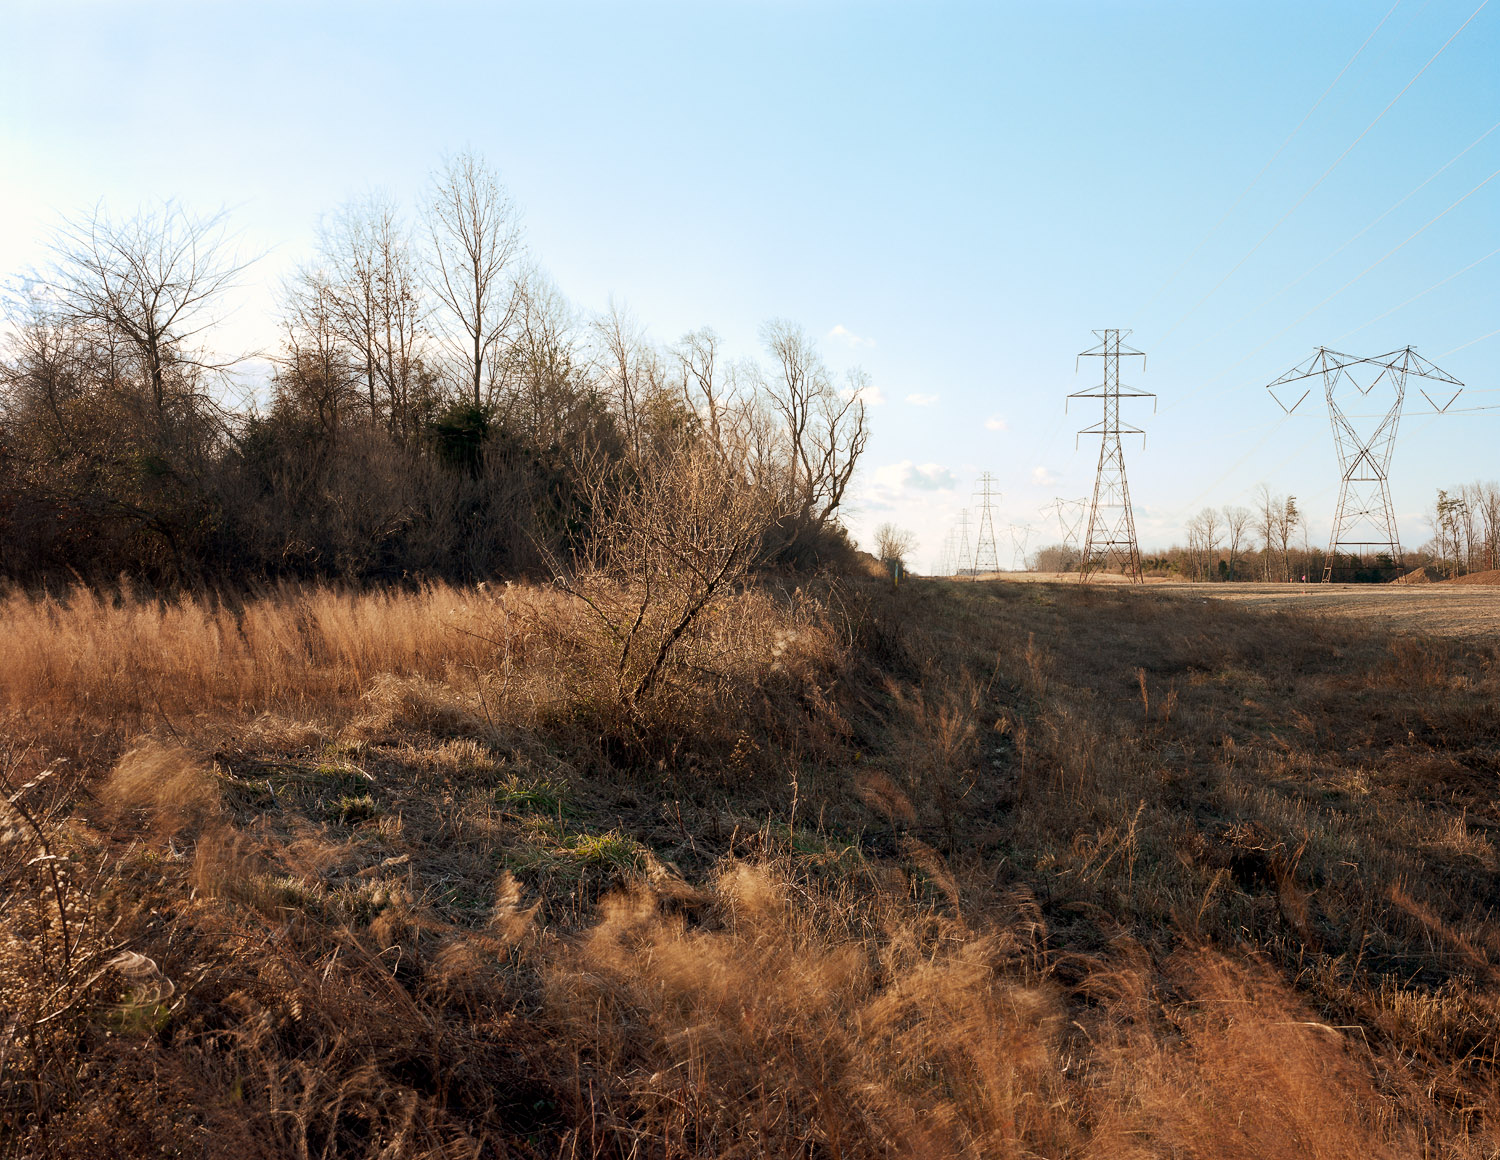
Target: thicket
<point x="437" y="409"/>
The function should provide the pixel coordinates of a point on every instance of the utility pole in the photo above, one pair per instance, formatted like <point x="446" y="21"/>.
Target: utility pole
<point x="1111" y="527"/>
<point x="1365" y="519"/>
<point x="986" y="549"/>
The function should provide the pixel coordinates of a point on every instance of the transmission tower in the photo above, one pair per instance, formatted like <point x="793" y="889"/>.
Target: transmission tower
<point x="1111" y="525"/>
<point x="1365" y="519"/>
<point x="1020" y="537"/>
<point x="944" y="563"/>
<point x="986" y="549"/>
<point x="965" y="551"/>
<point x="1070" y="515"/>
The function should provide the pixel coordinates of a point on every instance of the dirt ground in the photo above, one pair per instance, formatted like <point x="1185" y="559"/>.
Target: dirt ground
<point x="1447" y="610"/>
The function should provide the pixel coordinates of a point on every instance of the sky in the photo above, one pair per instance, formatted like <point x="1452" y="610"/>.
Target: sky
<point x="951" y="196"/>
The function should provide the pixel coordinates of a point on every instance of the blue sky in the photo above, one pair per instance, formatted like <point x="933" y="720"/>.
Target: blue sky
<point x="951" y="195"/>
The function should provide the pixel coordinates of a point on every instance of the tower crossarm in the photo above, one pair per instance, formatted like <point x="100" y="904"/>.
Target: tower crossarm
<point x="1364" y="459"/>
<point x="1110" y="346"/>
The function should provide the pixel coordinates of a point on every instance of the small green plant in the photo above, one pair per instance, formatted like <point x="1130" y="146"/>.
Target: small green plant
<point x="610" y="849"/>
<point x="541" y="795"/>
<point x="355" y="809"/>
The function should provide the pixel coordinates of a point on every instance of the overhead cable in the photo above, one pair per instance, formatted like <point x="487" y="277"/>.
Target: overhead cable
<point x="1254" y="181"/>
<point x="1336" y="162"/>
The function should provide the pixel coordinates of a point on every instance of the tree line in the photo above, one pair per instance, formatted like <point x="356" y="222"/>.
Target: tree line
<point x="1269" y="542"/>
<point x="437" y="408"/>
<point x="1465" y="523"/>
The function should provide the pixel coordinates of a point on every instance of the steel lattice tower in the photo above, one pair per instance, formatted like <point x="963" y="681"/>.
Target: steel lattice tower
<point x="945" y="565"/>
<point x="1020" y="537"/>
<point x="1070" y="515"/>
<point x="1111" y="526"/>
<point x="1364" y="507"/>
<point x="965" y="551"/>
<point x="986" y="547"/>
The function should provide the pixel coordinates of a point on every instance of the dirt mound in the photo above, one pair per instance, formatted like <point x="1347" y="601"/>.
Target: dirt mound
<point x="1491" y="576"/>
<point x="1427" y="575"/>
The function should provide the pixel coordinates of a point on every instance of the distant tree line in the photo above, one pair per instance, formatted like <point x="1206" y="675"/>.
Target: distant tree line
<point x="1465" y="523"/>
<point x="437" y="408"/>
<point x="1269" y="542"/>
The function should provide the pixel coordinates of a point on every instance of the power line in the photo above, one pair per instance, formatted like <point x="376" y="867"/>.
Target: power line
<point x="1336" y="162"/>
<point x="1328" y="258"/>
<point x="1365" y="508"/>
<point x="1468" y="344"/>
<point x="1254" y="181"/>
<point x="986" y="547"/>
<point x="1420" y="294"/>
<point x="1313" y="310"/>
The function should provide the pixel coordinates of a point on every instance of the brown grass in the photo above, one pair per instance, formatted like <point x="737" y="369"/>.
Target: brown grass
<point x="961" y="870"/>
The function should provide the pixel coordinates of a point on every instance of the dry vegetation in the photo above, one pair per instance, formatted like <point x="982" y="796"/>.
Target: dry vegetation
<point x="988" y="870"/>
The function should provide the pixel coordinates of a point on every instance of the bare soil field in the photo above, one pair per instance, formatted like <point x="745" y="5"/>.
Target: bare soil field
<point x="1429" y="608"/>
<point x="1470" y="611"/>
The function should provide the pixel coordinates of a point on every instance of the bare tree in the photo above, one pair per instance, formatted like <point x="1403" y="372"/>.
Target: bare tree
<point x="545" y="377"/>
<point x="50" y="367"/>
<point x="671" y="537"/>
<point x="824" y="428"/>
<point x="1488" y="505"/>
<point x="151" y="281"/>
<point x="703" y="385"/>
<point x="476" y="243"/>
<point x="1208" y="521"/>
<point x="371" y="278"/>
<point x="1236" y="523"/>
<point x="1288" y="520"/>
<point x="315" y="377"/>
<point x="1470" y="521"/>
<point x="893" y="545"/>
<point x="632" y="372"/>
<point x="1267" y="509"/>
<point x="1194" y="547"/>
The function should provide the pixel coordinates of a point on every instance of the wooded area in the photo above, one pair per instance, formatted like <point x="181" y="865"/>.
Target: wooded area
<point x="438" y="409"/>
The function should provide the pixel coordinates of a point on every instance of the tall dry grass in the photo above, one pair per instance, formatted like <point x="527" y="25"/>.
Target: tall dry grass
<point x="125" y="661"/>
<point x="954" y="871"/>
<point x="114" y="665"/>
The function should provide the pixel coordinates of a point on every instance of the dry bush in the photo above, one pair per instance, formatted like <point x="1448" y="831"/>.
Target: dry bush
<point x="671" y="538"/>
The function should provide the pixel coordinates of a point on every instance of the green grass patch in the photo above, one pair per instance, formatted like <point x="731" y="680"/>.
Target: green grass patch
<point x="542" y="795"/>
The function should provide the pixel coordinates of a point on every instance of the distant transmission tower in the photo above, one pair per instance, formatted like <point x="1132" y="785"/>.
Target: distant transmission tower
<point x="986" y="549"/>
<point x="1111" y="526"/>
<point x="1070" y="514"/>
<point x="1020" y="537"/>
<point x="965" y="560"/>
<point x="1365" y="518"/>
<point x="944" y="566"/>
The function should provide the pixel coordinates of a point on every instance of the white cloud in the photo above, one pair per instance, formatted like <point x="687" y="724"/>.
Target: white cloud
<point x="1042" y="477"/>
<point x="843" y="334"/>
<point x="996" y="423"/>
<point x="909" y="476"/>
<point x="870" y="395"/>
<point x="921" y="400"/>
